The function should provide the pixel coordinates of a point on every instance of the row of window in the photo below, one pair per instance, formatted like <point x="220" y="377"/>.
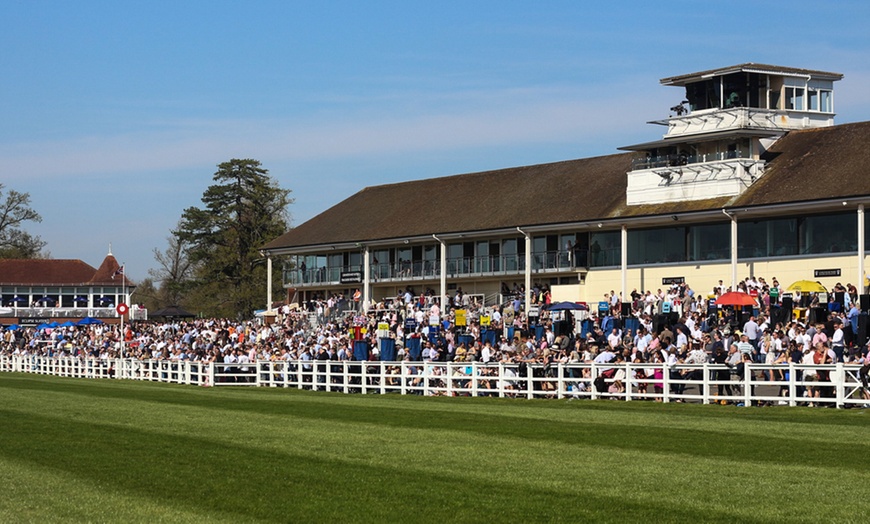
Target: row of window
<point x="776" y="237"/>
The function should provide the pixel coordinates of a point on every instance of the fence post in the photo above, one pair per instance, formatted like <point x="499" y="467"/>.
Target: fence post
<point x="628" y="381"/>
<point x="792" y="384"/>
<point x="560" y="381"/>
<point x="747" y="384"/>
<point x="840" y="385"/>
<point x="593" y="375"/>
<point x="705" y="384"/>
<point x="530" y="381"/>
<point x="666" y="383"/>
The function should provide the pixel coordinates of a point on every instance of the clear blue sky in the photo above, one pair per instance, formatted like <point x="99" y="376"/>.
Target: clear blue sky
<point x="116" y="113"/>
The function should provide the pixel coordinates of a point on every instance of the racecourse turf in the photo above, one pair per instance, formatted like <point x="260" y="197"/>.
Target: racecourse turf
<point x="74" y="450"/>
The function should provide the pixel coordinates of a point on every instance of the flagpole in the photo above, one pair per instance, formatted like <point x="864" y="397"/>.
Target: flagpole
<point x="124" y="298"/>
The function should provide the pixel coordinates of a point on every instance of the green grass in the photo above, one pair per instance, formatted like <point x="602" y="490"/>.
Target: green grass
<point x="119" y="451"/>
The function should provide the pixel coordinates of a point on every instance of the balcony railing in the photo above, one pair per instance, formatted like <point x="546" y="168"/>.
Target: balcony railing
<point x="652" y="162"/>
<point x="135" y="313"/>
<point x="550" y="261"/>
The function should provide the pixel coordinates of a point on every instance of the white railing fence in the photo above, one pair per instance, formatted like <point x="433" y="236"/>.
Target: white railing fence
<point x="835" y="385"/>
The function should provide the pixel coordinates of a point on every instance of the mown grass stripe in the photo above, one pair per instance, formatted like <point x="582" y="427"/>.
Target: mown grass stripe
<point x="277" y="455"/>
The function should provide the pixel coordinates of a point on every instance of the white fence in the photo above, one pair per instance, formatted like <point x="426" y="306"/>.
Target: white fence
<point x="793" y="384"/>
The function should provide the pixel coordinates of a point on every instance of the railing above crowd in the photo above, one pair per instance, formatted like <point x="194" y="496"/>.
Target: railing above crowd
<point x="431" y="269"/>
<point x="823" y="385"/>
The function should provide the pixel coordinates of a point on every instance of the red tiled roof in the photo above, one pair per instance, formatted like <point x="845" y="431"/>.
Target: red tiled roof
<point x="48" y="272"/>
<point x="108" y="269"/>
<point x="45" y="271"/>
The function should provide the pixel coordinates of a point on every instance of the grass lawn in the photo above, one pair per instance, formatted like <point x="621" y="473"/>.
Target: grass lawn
<point x="120" y="451"/>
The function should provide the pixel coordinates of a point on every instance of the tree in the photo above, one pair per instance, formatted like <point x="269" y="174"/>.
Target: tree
<point x="176" y="270"/>
<point x="243" y="211"/>
<point x="14" y="211"/>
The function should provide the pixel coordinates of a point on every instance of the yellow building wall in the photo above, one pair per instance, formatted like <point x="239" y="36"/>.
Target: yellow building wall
<point x="703" y="277"/>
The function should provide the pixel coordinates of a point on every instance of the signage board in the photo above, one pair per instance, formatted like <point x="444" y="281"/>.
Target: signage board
<point x="351" y="277"/>
<point x="460" y="318"/>
<point x="819" y="273"/>
<point x="33" y="321"/>
<point x="667" y="281"/>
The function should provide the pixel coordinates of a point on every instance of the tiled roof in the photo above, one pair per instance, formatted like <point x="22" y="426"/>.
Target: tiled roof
<point x="47" y="272"/>
<point x="106" y="274"/>
<point x="58" y="272"/>
<point x="813" y="164"/>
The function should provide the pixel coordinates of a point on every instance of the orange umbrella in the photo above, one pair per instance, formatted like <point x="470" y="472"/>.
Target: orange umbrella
<point x="736" y="298"/>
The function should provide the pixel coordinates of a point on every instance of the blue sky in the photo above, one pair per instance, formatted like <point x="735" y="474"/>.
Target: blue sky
<point x="115" y="114"/>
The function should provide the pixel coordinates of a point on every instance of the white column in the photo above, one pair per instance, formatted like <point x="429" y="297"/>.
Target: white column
<point x="733" y="252"/>
<point x="442" y="249"/>
<point x="268" y="283"/>
<point x="367" y="280"/>
<point x="623" y="263"/>
<point x="528" y="275"/>
<point x="861" y="249"/>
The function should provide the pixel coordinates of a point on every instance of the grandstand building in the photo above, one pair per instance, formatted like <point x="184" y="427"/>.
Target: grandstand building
<point x="36" y="291"/>
<point x="751" y="177"/>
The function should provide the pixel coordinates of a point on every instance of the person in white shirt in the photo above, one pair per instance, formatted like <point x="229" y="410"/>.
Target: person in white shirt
<point x="613" y="338"/>
<point x="837" y="341"/>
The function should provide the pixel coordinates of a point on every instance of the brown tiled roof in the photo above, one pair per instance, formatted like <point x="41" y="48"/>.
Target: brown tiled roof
<point x="541" y="194"/>
<point x="107" y="270"/>
<point x="45" y="272"/>
<point x="814" y="164"/>
<point x="751" y="66"/>
<point x="804" y="165"/>
<point x="49" y="272"/>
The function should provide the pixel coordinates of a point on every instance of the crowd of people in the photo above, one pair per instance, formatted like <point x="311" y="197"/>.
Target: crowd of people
<point x="670" y="327"/>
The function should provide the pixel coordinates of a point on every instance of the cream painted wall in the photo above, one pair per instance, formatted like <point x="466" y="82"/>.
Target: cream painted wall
<point x="703" y="277"/>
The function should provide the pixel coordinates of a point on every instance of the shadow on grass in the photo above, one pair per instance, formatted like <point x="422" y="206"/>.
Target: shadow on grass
<point x="231" y="481"/>
<point x="703" y="443"/>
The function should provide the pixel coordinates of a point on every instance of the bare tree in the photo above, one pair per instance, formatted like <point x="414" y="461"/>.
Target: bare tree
<point x="14" y="211"/>
<point x="175" y="270"/>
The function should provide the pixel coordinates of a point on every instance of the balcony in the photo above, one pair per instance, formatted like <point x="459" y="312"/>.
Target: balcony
<point x="136" y="313"/>
<point x="543" y="262"/>
<point x="656" y="180"/>
<point x="709" y="120"/>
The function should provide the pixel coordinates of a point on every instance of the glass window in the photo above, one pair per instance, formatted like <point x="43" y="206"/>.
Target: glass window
<point x="813" y="100"/>
<point x="794" y="98"/>
<point x="604" y="249"/>
<point x="510" y="255"/>
<point x="767" y="238"/>
<point x="539" y="252"/>
<point x="710" y="242"/>
<point x="829" y="233"/>
<point x="652" y="246"/>
<point x="826" y="104"/>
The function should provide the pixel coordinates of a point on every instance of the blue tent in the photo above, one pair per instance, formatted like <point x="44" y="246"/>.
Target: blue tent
<point x="12" y="327"/>
<point x="87" y="321"/>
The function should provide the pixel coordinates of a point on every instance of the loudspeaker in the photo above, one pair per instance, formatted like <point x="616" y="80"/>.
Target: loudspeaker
<point x="788" y="304"/>
<point x="865" y="303"/>
<point x="659" y="322"/>
<point x="818" y="314"/>
<point x="780" y="315"/>
<point x="863" y="326"/>
<point x="840" y="297"/>
<point x="626" y="309"/>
